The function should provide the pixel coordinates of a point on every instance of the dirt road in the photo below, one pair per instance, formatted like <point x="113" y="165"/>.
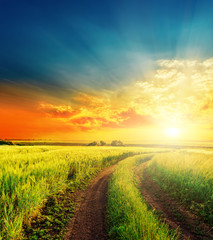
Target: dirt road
<point x="89" y="220"/>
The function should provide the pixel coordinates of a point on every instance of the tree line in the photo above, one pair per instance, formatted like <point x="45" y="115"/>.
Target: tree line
<point x="102" y="143"/>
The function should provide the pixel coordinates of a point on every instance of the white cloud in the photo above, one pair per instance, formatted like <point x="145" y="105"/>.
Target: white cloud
<point x="177" y="87"/>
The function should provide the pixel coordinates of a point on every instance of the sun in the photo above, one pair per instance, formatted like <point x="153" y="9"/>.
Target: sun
<point x="173" y="132"/>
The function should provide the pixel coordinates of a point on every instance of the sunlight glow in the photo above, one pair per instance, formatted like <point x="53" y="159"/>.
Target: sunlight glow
<point x="173" y="132"/>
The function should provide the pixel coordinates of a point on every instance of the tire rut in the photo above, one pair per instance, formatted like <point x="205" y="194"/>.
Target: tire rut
<point x="171" y="212"/>
<point x="89" y="220"/>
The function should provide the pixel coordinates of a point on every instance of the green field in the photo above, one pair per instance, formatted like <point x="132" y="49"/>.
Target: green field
<point x="188" y="177"/>
<point x="129" y="217"/>
<point x="30" y="175"/>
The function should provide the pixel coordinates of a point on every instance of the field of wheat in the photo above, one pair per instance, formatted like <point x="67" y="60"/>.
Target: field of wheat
<point x="129" y="216"/>
<point x="29" y="174"/>
<point x="188" y="176"/>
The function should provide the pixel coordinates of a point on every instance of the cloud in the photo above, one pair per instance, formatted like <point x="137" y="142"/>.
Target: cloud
<point x="176" y="87"/>
<point x="91" y="116"/>
<point x="177" y="91"/>
<point x="58" y="111"/>
<point x="131" y="119"/>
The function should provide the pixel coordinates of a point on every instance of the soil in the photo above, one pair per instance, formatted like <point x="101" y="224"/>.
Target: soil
<point x="170" y="211"/>
<point x="88" y="222"/>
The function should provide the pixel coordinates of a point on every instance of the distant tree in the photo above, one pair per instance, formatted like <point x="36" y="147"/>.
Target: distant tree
<point x="119" y="143"/>
<point x="102" y="143"/>
<point x="3" y="142"/>
<point x="116" y="143"/>
<point x="93" y="144"/>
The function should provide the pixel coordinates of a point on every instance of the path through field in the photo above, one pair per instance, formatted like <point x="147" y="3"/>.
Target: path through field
<point x="89" y="220"/>
<point x="171" y="211"/>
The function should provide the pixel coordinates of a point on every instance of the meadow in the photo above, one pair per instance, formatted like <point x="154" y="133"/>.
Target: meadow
<point x="188" y="176"/>
<point x="181" y="207"/>
<point x="129" y="216"/>
<point x="30" y="174"/>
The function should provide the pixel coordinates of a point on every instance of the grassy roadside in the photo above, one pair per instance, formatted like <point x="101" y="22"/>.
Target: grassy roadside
<point x="188" y="177"/>
<point x="128" y="216"/>
<point x="52" y="221"/>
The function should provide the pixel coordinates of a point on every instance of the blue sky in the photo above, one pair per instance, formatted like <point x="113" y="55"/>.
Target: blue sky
<point x="98" y="44"/>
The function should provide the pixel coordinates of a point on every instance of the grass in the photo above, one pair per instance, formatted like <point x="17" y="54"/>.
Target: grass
<point x="128" y="214"/>
<point x="29" y="176"/>
<point x="54" y="217"/>
<point x="187" y="176"/>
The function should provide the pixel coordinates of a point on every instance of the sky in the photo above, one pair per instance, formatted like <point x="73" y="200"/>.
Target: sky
<point x="103" y="70"/>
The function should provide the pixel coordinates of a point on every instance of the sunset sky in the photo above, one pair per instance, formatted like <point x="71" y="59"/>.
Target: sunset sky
<point x="103" y="70"/>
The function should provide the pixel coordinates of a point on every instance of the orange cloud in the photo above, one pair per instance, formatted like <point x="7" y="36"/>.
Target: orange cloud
<point x="133" y="119"/>
<point x="58" y="111"/>
<point x="178" y="92"/>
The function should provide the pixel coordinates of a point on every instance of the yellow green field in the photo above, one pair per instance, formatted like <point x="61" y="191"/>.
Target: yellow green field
<point x="188" y="176"/>
<point x="30" y="176"/>
<point x="176" y="185"/>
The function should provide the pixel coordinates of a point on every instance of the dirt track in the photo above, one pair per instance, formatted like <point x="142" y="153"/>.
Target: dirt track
<point x="89" y="220"/>
<point x="172" y="212"/>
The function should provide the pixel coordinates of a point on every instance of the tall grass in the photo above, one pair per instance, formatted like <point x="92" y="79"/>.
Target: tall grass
<point x="28" y="175"/>
<point x="188" y="177"/>
<point x="129" y="217"/>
